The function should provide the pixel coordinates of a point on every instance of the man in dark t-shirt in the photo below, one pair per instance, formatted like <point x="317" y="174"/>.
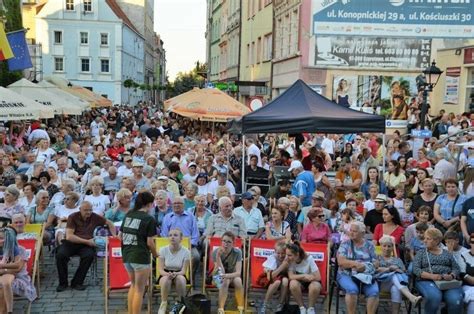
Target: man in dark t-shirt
<point x="467" y="218"/>
<point x="79" y="241"/>
<point x="374" y="217"/>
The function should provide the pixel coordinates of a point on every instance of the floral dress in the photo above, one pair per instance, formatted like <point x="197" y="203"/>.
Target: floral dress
<point x="22" y="285"/>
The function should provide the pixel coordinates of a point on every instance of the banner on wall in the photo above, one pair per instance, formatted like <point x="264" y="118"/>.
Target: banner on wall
<point x="345" y="90"/>
<point x="394" y="18"/>
<point x="451" y="94"/>
<point x="372" y="52"/>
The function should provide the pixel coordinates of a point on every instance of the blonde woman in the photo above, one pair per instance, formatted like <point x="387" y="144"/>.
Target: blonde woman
<point x="100" y="202"/>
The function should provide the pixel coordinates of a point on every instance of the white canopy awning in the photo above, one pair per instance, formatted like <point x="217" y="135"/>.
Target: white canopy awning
<point x="70" y="99"/>
<point x="39" y="94"/>
<point x="14" y="107"/>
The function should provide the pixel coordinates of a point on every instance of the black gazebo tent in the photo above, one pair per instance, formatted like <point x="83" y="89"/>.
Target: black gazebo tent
<point x="300" y="109"/>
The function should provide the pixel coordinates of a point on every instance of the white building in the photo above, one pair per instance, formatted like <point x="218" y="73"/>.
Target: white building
<point x="92" y="43"/>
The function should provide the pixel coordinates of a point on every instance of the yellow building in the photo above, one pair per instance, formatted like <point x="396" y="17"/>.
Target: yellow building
<point x="256" y="48"/>
<point x="28" y="15"/>
<point x="455" y="89"/>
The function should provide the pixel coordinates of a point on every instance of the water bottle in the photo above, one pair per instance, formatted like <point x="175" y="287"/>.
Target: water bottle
<point x="218" y="278"/>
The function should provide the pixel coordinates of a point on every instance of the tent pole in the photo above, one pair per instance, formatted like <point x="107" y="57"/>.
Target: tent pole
<point x="384" y="157"/>
<point x="242" y="177"/>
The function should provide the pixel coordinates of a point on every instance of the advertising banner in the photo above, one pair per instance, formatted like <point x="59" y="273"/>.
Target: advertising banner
<point x="394" y="18"/>
<point x="345" y="90"/>
<point x="372" y="52"/>
<point x="451" y="94"/>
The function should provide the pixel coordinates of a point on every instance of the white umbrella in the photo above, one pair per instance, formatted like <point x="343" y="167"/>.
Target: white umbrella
<point x="70" y="99"/>
<point x="14" y="107"/>
<point x="38" y="94"/>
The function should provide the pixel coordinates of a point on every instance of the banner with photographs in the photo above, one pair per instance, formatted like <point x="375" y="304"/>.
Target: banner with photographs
<point x="372" y="52"/>
<point x="390" y="96"/>
<point x="451" y="94"/>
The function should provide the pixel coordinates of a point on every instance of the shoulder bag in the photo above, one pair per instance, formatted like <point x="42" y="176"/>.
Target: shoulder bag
<point x="443" y="284"/>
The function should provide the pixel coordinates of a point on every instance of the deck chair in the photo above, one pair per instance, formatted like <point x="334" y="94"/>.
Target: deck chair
<point x="32" y="247"/>
<point x="162" y="242"/>
<point x="321" y="254"/>
<point x="212" y="244"/>
<point x="116" y="279"/>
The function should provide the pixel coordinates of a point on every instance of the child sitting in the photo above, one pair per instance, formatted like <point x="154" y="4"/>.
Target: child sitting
<point x="417" y="243"/>
<point x="399" y="198"/>
<point x="275" y="269"/>
<point x="406" y="216"/>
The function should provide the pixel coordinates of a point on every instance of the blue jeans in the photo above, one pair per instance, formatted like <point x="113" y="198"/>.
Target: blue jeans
<point x="433" y="297"/>
<point x="351" y="286"/>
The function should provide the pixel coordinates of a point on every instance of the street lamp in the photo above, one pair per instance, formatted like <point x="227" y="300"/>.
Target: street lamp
<point x="425" y="83"/>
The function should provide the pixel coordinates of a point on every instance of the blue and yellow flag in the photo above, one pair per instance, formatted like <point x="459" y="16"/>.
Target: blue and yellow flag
<point x="22" y="59"/>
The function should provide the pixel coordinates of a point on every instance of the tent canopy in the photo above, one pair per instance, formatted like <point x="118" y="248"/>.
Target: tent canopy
<point x="38" y="94"/>
<point x="300" y="109"/>
<point x="69" y="99"/>
<point x="14" y="107"/>
<point x="208" y="104"/>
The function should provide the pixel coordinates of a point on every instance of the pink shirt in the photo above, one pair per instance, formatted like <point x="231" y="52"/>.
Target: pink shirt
<point x="312" y="234"/>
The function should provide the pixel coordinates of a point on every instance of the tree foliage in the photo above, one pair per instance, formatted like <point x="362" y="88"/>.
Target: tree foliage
<point x="186" y="81"/>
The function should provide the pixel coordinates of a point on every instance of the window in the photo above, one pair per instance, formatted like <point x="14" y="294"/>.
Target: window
<point x="267" y="47"/>
<point x="84" y="38"/>
<point x="105" y="65"/>
<point x="87" y="5"/>
<point x="85" y="65"/>
<point x="259" y="50"/>
<point x="59" y="64"/>
<point x="58" y="37"/>
<point x="104" y="39"/>
<point x="70" y="5"/>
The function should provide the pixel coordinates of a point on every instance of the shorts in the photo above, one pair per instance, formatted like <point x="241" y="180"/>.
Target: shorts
<point x="168" y="271"/>
<point x="132" y="267"/>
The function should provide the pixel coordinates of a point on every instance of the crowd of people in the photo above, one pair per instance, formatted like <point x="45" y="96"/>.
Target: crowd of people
<point x="391" y="214"/>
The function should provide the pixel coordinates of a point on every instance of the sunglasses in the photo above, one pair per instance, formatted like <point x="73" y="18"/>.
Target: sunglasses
<point x="321" y="216"/>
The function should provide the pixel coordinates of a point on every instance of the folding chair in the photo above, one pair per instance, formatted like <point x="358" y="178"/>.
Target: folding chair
<point x="32" y="247"/>
<point x="321" y="254"/>
<point x="155" y="286"/>
<point x="212" y="244"/>
<point x="116" y="279"/>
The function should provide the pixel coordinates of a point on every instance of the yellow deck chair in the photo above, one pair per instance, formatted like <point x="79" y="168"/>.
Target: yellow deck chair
<point x="34" y="228"/>
<point x="162" y="242"/>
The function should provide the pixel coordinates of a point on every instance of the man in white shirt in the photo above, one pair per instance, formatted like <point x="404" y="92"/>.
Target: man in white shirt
<point x="95" y="126"/>
<point x="221" y="181"/>
<point x="252" y="216"/>
<point x="192" y="174"/>
<point x="125" y="170"/>
<point x="253" y="149"/>
<point x="443" y="168"/>
<point x="327" y="145"/>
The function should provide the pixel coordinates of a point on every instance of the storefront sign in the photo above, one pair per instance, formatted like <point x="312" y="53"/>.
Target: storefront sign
<point x="451" y="94"/>
<point x="372" y="52"/>
<point x="394" y="18"/>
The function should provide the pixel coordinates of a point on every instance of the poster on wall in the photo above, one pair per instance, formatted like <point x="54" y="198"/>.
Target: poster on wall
<point x="398" y="93"/>
<point x="394" y="18"/>
<point x="451" y="94"/>
<point x="369" y="89"/>
<point x="372" y="52"/>
<point x="345" y="90"/>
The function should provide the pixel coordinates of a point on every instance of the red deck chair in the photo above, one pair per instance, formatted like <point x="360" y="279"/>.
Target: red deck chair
<point x="32" y="251"/>
<point x="211" y="245"/>
<point x="116" y="279"/>
<point x="321" y="254"/>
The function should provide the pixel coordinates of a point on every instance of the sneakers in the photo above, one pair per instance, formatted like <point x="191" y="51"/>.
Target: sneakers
<point x="263" y="309"/>
<point x="163" y="307"/>
<point x="178" y="308"/>
<point x="302" y="310"/>
<point x="310" y="310"/>
<point x="220" y="311"/>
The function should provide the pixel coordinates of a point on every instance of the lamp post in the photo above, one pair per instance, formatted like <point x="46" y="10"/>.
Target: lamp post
<point x="426" y="83"/>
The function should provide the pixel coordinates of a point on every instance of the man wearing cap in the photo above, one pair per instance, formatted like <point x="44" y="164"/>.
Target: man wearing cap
<point x="105" y="163"/>
<point x="225" y="220"/>
<point x="142" y="181"/>
<point x="125" y="170"/>
<point x="375" y="217"/>
<point x="192" y="174"/>
<point x="221" y="181"/>
<point x="347" y="178"/>
<point x="317" y="201"/>
<point x="252" y="216"/>
<point x="304" y="186"/>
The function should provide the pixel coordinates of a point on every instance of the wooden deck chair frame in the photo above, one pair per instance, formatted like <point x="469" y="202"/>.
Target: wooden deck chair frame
<point x="155" y="287"/>
<point x="207" y="258"/>
<point x="107" y="289"/>
<point x="35" y="273"/>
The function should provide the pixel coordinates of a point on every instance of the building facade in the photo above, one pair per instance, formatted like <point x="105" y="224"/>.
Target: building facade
<point x="93" y="44"/>
<point x="256" y="52"/>
<point x="160" y="71"/>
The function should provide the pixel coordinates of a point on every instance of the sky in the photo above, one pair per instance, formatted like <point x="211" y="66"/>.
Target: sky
<point x="182" y="26"/>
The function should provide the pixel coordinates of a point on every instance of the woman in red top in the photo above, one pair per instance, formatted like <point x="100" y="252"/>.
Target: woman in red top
<point x="392" y="226"/>
<point x="423" y="162"/>
<point x="115" y="150"/>
<point x="316" y="231"/>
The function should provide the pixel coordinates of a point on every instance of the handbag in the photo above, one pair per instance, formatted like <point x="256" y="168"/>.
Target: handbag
<point x="443" y="284"/>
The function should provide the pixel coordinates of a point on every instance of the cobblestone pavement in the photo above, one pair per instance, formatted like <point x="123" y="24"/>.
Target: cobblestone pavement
<point x="91" y="300"/>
